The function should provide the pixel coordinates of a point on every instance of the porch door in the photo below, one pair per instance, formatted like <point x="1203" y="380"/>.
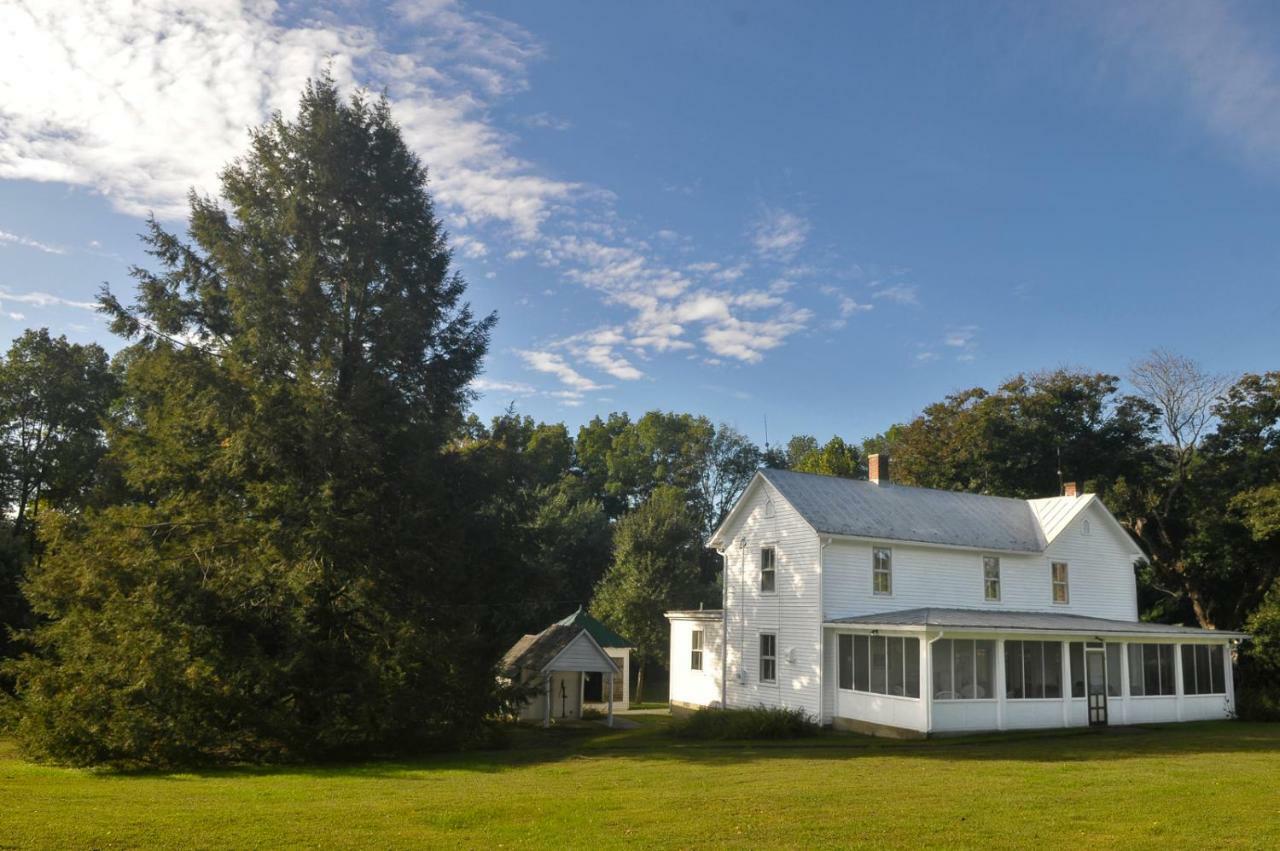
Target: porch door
<point x="1095" y="664"/>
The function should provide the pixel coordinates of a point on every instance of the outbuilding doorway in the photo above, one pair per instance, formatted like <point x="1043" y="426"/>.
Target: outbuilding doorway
<point x="593" y="687"/>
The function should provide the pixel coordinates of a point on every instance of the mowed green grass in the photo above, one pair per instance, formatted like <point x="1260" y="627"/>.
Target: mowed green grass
<point x="1199" y="785"/>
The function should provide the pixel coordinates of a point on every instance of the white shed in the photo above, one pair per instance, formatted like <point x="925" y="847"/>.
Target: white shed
<point x="557" y="660"/>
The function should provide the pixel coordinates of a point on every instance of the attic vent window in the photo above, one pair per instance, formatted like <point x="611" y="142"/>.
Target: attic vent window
<point x="1084" y="527"/>
<point x="768" y="508"/>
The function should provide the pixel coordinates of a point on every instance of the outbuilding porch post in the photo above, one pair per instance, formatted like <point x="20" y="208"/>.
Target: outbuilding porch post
<point x="611" y="698"/>
<point x="546" y="709"/>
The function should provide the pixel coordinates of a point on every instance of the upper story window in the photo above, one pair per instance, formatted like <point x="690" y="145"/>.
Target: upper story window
<point x="991" y="578"/>
<point x="1061" y="592"/>
<point x="881" y="571"/>
<point x="695" y="651"/>
<point x="768" y="657"/>
<point x="768" y="570"/>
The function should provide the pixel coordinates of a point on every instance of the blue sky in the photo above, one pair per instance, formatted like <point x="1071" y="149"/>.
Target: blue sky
<point x="829" y="214"/>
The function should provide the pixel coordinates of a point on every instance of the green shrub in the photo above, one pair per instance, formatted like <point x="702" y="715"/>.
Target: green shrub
<point x="1258" y="703"/>
<point x="592" y="714"/>
<point x="758" y="722"/>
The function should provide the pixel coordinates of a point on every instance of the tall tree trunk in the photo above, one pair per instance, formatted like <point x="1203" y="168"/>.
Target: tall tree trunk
<point x="639" y="698"/>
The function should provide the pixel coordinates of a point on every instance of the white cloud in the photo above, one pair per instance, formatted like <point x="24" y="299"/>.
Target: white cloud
<point x="110" y="96"/>
<point x="486" y="385"/>
<point x="926" y="356"/>
<point x="847" y="306"/>
<point x="960" y="338"/>
<point x="15" y="316"/>
<point x="1209" y="55"/>
<point x="553" y="364"/>
<point x="25" y="242"/>
<point x="43" y="299"/>
<point x="778" y="233"/>
<point x="899" y="293"/>
<point x="545" y="121"/>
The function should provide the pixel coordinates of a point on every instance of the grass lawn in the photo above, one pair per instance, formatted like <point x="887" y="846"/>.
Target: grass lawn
<point x="1212" y="784"/>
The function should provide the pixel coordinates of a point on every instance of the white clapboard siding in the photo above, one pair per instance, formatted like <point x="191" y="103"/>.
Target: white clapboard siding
<point x="793" y="612"/>
<point x="691" y="687"/>
<point x="582" y="654"/>
<point x="1100" y="569"/>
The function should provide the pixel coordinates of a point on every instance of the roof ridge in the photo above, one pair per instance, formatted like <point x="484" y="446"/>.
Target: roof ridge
<point x="899" y="486"/>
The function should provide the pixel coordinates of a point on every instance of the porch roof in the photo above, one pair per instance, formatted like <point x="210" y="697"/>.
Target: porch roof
<point x="1013" y="621"/>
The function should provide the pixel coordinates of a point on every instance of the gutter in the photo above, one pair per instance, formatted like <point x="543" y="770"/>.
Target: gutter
<point x="1207" y="634"/>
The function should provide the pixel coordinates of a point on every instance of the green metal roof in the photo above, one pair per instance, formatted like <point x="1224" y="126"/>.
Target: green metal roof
<point x="604" y="636"/>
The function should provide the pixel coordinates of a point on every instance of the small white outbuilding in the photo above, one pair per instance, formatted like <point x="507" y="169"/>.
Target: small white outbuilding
<point x="557" y="661"/>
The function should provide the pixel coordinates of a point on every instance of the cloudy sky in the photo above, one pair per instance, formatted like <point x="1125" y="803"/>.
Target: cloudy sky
<point x="829" y="214"/>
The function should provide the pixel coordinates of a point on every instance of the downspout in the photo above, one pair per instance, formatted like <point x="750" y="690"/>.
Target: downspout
<point x="724" y="625"/>
<point x="822" y="636"/>
<point x="926" y="688"/>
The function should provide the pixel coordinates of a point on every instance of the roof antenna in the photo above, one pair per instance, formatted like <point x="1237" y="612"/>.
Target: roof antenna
<point x="766" y="436"/>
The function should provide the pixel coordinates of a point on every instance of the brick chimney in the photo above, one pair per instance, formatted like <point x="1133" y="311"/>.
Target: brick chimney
<point x="1071" y="489"/>
<point x="878" y="469"/>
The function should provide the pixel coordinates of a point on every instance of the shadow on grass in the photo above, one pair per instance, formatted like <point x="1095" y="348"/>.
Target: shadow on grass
<point x="652" y="741"/>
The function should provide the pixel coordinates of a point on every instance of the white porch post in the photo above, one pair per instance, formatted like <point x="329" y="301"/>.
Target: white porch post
<point x="611" y="698"/>
<point x="546" y="710"/>
<point x="1124" y="684"/>
<point x="1064" y="677"/>
<point x="1229" y="678"/>
<point x="1177" y="677"/>
<point x="999" y="684"/>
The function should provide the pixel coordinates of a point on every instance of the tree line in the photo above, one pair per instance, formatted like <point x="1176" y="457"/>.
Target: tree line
<point x="270" y="528"/>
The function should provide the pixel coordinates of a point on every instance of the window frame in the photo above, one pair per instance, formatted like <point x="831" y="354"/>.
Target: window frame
<point x="987" y="561"/>
<point x="877" y="572"/>
<point x="1065" y="583"/>
<point x="1025" y="655"/>
<point x="1210" y="652"/>
<point x="991" y="645"/>
<point x="772" y="570"/>
<point x="908" y="656"/>
<point x="762" y="657"/>
<point x="695" y="650"/>
<point x="1141" y="669"/>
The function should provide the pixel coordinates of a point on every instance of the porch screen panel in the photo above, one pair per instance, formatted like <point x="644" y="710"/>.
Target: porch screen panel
<point x="1151" y="670"/>
<point x="942" y="684"/>
<point x="1076" y="654"/>
<point x="846" y="661"/>
<point x="1052" y="651"/>
<point x="879" y="665"/>
<point x="1167" y="684"/>
<point x="1203" y="684"/>
<point x="1115" y="686"/>
<point x="1189" y="669"/>
<point x="1032" y="670"/>
<point x="1135" y="671"/>
<point x="896" y="684"/>
<point x="964" y="669"/>
<point x="1013" y="669"/>
<point x="911" y="665"/>
<point x="862" y="663"/>
<point x="984" y="669"/>
<point x="1217" y="670"/>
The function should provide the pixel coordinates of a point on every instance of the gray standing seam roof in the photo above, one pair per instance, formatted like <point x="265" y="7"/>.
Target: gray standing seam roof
<point x="997" y="620"/>
<point x="862" y="509"/>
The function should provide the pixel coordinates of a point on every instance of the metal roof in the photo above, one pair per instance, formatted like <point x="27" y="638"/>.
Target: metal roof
<point x="983" y="619"/>
<point x="862" y="509"/>
<point x="604" y="636"/>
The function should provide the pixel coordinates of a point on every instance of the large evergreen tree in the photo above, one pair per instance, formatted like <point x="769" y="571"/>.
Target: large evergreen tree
<point x="284" y="577"/>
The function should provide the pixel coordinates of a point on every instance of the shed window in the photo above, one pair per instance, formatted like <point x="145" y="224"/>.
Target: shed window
<point x="1033" y="670"/>
<point x="882" y="571"/>
<point x="695" y="650"/>
<point x="1202" y="670"/>
<point x="991" y="578"/>
<point x="963" y="669"/>
<point x="768" y="657"/>
<point x="768" y="570"/>
<point x="1058" y="579"/>
<point x="1151" y="670"/>
<point x="880" y="664"/>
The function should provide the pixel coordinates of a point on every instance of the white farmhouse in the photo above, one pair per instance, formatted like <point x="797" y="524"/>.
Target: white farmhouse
<point x="906" y="611"/>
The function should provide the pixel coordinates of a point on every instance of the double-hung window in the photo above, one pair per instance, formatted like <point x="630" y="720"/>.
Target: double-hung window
<point x="768" y="657"/>
<point x="768" y="570"/>
<point x="991" y="578"/>
<point x="882" y="571"/>
<point x="695" y="651"/>
<point x="1058" y="579"/>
